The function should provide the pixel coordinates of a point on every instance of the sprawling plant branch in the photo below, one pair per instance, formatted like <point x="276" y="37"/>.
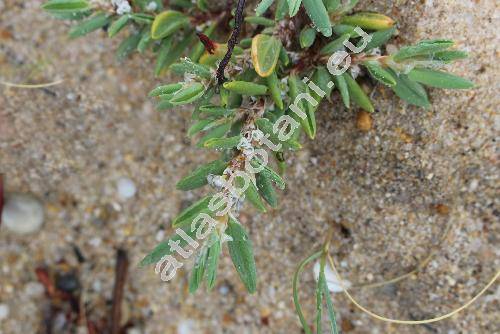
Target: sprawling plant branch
<point x="233" y="40"/>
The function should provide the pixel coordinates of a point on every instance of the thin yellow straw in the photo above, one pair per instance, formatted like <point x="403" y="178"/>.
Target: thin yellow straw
<point x="410" y="322"/>
<point x="30" y="86"/>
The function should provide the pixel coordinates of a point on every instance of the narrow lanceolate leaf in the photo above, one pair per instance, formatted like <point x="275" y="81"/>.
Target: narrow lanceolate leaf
<point x="198" y="270"/>
<point x="295" y="290"/>
<point x="329" y="304"/>
<point x="266" y="190"/>
<point x="223" y="143"/>
<point x="66" y="6"/>
<point x="274" y="88"/>
<point x="127" y="46"/>
<point x="297" y="87"/>
<point x="190" y="213"/>
<point x="319" y="296"/>
<point x="167" y="23"/>
<point x="252" y="195"/>
<point x="281" y="10"/>
<point x="307" y="37"/>
<point x="164" y="248"/>
<point x="241" y="251"/>
<point x="263" y="6"/>
<point x="335" y="45"/>
<point x="427" y="47"/>
<point x="332" y="5"/>
<point x="145" y="41"/>
<point x="142" y="18"/>
<point x="170" y="53"/>
<point x="188" y="66"/>
<point x="95" y="22"/>
<point x="379" y="38"/>
<point x="266" y="127"/>
<point x="118" y="25"/>
<point x="371" y="21"/>
<point x="357" y="94"/>
<point x="293" y="7"/>
<point x="268" y="173"/>
<point x="188" y="94"/>
<point x="261" y="21"/>
<point x="265" y="54"/>
<point x="214" y="252"/>
<point x="245" y="88"/>
<point x="322" y="78"/>
<point x="165" y="89"/>
<point x="379" y="73"/>
<point x="439" y="79"/>
<point x="216" y="132"/>
<point x="198" y="177"/>
<point x="319" y="16"/>
<point x="341" y="85"/>
<point x="450" y="55"/>
<point x="410" y="91"/>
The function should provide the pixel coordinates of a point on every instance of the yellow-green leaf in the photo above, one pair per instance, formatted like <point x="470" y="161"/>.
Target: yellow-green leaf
<point x="167" y="23"/>
<point x="265" y="53"/>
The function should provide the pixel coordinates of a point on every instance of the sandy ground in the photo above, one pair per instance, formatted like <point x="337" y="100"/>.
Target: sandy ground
<point x="390" y="192"/>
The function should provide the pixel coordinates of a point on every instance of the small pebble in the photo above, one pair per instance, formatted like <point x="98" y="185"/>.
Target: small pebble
<point x="364" y="121"/>
<point x="332" y="280"/>
<point x="22" y="213"/>
<point x="126" y="188"/>
<point x="4" y="311"/>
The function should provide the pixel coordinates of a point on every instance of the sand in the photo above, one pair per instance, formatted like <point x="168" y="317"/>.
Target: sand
<point x="390" y="193"/>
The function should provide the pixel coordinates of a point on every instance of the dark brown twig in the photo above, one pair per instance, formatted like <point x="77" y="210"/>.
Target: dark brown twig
<point x="120" y="277"/>
<point x="233" y="40"/>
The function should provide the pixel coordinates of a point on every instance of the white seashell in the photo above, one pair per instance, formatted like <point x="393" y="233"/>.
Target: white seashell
<point x="332" y="280"/>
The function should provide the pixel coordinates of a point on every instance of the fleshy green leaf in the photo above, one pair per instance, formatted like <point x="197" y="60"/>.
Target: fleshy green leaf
<point x="341" y="85"/>
<point x="357" y="94"/>
<point x="410" y="91"/>
<point x="379" y="73"/>
<point x="198" y="177"/>
<point x="189" y="214"/>
<point x="198" y="270"/>
<point x="266" y="190"/>
<point x="217" y="132"/>
<point x="187" y="66"/>
<point x="335" y="45"/>
<point x="214" y="252"/>
<point x="319" y="16"/>
<point x="294" y="6"/>
<point x="263" y="6"/>
<point x="118" y="25"/>
<point x="422" y="48"/>
<point x="241" y="251"/>
<point x="223" y="143"/>
<point x="127" y="46"/>
<point x="439" y="79"/>
<point x="379" y="38"/>
<point x="259" y="20"/>
<point x="245" y="88"/>
<point x="371" y="21"/>
<point x="167" y="23"/>
<point x="268" y="173"/>
<point x="450" y="55"/>
<point x="165" y="89"/>
<point x="307" y="37"/>
<point x="164" y="249"/>
<point x="265" y="54"/>
<point x="188" y="94"/>
<point x="274" y="88"/>
<point x="66" y="6"/>
<point x="95" y="22"/>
